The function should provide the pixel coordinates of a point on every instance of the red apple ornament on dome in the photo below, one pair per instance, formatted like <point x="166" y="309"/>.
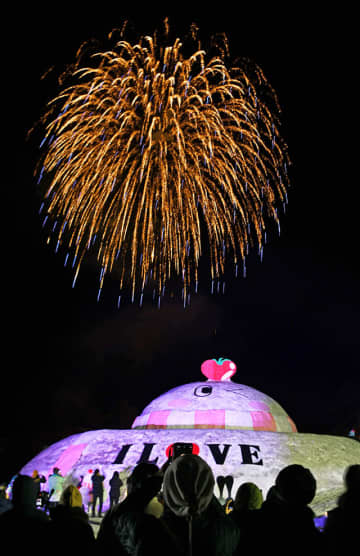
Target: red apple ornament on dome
<point x="218" y="369"/>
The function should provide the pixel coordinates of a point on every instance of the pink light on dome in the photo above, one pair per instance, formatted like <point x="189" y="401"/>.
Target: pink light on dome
<point x="263" y="421"/>
<point x="68" y="458"/>
<point x="218" y="369"/>
<point x="210" y="418"/>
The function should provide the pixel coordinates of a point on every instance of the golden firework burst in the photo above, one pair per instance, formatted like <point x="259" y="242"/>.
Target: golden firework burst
<point x="151" y="153"/>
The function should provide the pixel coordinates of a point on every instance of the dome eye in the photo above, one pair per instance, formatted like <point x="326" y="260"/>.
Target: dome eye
<point x="201" y="391"/>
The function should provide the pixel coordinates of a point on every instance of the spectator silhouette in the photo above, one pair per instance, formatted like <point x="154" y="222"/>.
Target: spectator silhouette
<point x="97" y="491"/>
<point x="248" y="499"/>
<point x="69" y="525"/>
<point x="285" y="523"/>
<point x="115" y="486"/>
<point x="129" y="528"/>
<point x="24" y="525"/>
<point x="192" y="513"/>
<point x="341" y="528"/>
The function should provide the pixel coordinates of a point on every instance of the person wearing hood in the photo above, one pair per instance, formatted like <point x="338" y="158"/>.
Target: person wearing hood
<point x="133" y="527"/>
<point x="69" y="525"/>
<point x="115" y="486"/>
<point x="192" y="514"/>
<point x="24" y="525"/>
<point x="285" y="522"/>
<point x="341" y="527"/>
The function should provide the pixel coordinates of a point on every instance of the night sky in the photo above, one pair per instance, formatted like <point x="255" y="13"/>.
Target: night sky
<point x="292" y="325"/>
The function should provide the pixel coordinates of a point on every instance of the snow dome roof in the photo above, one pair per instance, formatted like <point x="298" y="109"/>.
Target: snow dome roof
<point x="218" y="403"/>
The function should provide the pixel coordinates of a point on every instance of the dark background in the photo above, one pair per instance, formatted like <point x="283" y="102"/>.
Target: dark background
<point x="72" y="364"/>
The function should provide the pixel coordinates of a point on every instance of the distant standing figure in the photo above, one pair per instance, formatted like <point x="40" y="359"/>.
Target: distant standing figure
<point x="38" y="479"/>
<point x="115" y="486"/>
<point x="98" y="491"/>
<point x="55" y="486"/>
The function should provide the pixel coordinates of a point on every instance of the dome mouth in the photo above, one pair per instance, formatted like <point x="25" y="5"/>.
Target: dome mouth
<point x="218" y="403"/>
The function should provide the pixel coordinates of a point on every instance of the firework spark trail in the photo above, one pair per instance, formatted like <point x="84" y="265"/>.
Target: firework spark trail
<point x="148" y="148"/>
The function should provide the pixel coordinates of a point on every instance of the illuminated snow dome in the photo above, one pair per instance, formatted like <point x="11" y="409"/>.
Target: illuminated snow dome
<point x="243" y="434"/>
<point x="218" y="403"/>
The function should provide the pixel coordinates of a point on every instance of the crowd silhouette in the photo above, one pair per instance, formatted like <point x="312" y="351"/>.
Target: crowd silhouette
<point x="173" y="510"/>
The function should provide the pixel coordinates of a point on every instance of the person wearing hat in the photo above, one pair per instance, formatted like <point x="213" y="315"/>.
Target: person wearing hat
<point x="192" y="513"/>
<point x="55" y="487"/>
<point x="248" y="497"/>
<point x="247" y="501"/>
<point x="69" y="525"/>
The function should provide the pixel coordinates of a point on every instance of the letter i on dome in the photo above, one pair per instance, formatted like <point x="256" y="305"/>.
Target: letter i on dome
<point x="218" y="369"/>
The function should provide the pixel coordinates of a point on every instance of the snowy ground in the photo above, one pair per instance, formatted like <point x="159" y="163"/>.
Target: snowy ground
<point x="95" y="524"/>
